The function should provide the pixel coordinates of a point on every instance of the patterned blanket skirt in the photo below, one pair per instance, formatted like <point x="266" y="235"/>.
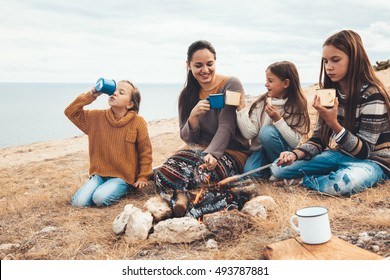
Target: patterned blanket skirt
<point x="182" y="172"/>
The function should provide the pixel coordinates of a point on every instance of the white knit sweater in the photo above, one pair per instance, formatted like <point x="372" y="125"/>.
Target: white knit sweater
<point x="250" y="125"/>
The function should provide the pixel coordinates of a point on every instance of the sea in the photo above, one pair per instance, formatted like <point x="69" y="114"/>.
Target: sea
<point x="34" y="112"/>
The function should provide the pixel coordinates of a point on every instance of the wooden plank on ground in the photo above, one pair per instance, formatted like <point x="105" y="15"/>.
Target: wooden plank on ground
<point x="287" y="250"/>
<point x="334" y="249"/>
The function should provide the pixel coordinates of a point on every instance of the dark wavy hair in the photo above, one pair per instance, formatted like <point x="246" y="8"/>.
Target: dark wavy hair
<point x="189" y="95"/>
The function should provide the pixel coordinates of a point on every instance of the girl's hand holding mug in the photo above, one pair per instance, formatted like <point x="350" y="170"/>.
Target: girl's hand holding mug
<point x="329" y="115"/>
<point x="94" y="92"/>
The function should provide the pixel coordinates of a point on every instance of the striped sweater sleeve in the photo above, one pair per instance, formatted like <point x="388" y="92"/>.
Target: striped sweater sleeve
<point x="314" y="145"/>
<point x="373" y="121"/>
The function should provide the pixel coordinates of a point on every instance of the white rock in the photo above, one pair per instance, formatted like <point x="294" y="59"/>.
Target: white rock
<point x="138" y="226"/>
<point x="375" y="248"/>
<point x="48" y="229"/>
<point x="120" y="222"/>
<point x="267" y="201"/>
<point x="211" y="244"/>
<point x="382" y="234"/>
<point x="179" y="230"/>
<point x="254" y="209"/>
<point x="9" y="246"/>
<point x="363" y="234"/>
<point x="159" y="208"/>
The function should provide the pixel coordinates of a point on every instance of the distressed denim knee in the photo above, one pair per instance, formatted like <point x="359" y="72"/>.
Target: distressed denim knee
<point x="356" y="176"/>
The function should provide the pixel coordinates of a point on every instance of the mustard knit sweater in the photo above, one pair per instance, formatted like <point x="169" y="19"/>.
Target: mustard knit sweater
<point x="117" y="148"/>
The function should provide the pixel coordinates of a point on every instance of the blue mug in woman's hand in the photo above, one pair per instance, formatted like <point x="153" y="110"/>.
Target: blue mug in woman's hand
<point x="217" y="101"/>
<point x="106" y="86"/>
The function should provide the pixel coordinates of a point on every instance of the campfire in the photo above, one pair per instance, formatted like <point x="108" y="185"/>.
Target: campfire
<point x="209" y="209"/>
<point x="208" y="198"/>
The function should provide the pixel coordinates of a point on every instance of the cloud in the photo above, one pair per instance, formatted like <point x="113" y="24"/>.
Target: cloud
<point x="147" y="40"/>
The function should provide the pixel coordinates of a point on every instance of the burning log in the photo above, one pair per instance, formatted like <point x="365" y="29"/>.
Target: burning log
<point x="214" y="201"/>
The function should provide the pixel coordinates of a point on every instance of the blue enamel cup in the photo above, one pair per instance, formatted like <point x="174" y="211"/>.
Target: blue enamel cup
<point x="217" y="101"/>
<point x="106" y="86"/>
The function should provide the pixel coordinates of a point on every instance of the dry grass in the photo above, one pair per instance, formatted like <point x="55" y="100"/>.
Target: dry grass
<point x="35" y="196"/>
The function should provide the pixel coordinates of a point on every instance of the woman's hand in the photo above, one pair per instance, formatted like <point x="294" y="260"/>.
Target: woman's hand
<point x="140" y="184"/>
<point x="94" y="92"/>
<point x="242" y="102"/>
<point x="272" y="112"/>
<point x="210" y="162"/>
<point x="200" y="108"/>
<point x="329" y="115"/>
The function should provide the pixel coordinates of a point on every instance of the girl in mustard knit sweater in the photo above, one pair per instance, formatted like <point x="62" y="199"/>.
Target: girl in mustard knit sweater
<point x="120" y="151"/>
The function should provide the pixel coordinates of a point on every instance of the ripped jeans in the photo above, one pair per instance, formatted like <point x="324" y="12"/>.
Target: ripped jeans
<point x="333" y="172"/>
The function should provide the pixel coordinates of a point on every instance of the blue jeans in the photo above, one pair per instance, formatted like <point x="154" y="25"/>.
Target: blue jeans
<point x="333" y="172"/>
<point x="100" y="191"/>
<point x="272" y="144"/>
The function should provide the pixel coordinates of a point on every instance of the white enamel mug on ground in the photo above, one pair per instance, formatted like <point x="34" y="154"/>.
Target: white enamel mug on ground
<point x="313" y="224"/>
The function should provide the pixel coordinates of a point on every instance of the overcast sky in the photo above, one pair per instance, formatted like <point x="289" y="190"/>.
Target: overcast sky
<point x="147" y="41"/>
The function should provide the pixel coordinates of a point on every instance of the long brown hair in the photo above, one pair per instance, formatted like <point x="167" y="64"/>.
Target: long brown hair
<point x="296" y="104"/>
<point x="189" y="96"/>
<point x="360" y="71"/>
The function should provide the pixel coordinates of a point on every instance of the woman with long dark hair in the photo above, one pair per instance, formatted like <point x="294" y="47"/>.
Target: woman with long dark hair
<point x="215" y="148"/>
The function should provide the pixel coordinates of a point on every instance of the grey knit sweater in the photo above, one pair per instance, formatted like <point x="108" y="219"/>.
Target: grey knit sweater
<point x="371" y="136"/>
<point x="217" y="128"/>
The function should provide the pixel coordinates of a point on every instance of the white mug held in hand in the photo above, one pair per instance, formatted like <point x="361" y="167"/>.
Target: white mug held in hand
<point x="232" y="98"/>
<point x="313" y="224"/>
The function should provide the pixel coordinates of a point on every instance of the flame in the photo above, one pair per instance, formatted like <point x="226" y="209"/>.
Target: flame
<point x="198" y="196"/>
